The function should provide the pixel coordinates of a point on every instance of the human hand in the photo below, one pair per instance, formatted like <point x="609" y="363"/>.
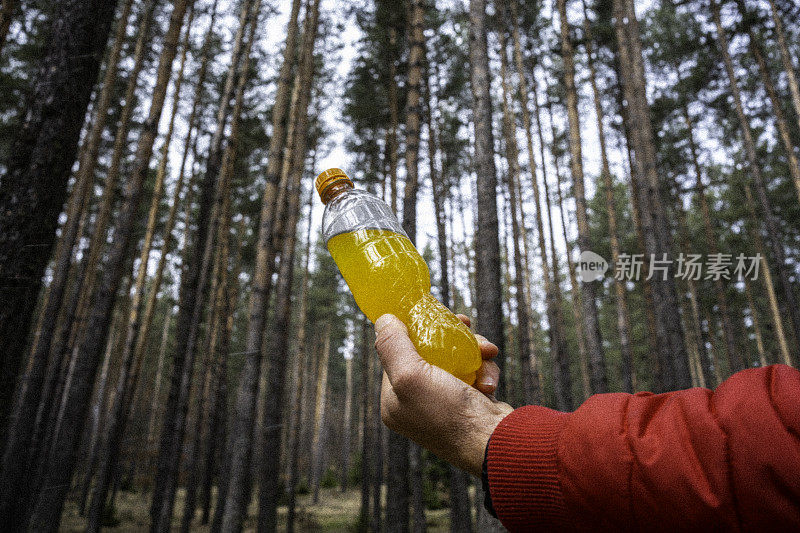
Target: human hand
<point x="431" y="406"/>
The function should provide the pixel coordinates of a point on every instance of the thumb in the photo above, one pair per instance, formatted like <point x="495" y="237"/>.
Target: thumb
<point x="398" y="355"/>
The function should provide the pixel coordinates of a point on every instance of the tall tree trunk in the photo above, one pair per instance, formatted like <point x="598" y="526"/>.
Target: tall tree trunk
<point x="487" y="264"/>
<point x="300" y="365"/>
<point x="321" y="395"/>
<point x="131" y="361"/>
<point x="769" y="224"/>
<point x="231" y="500"/>
<point x="563" y="360"/>
<point x="30" y="393"/>
<point x="594" y="343"/>
<point x="400" y="493"/>
<point x="552" y="290"/>
<point x="77" y="323"/>
<point x="530" y="381"/>
<point x="623" y="318"/>
<point x="98" y="417"/>
<point x="775" y="100"/>
<point x="36" y="176"/>
<point x="766" y="276"/>
<point x="762" y="355"/>
<point x="367" y="412"/>
<point x="156" y="394"/>
<point x="217" y="321"/>
<point x="193" y="292"/>
<point x="460" y="514"/>
<point x="346" y="423"/>
<point x="734" y="352"/>
<point x="394" y="120"/>
<point x="674" y="362"/>
<point x="786" y="59"/>
<point x="278" y="331"/>
<point x="47" y="511"/>
<point x="377" y="521"/>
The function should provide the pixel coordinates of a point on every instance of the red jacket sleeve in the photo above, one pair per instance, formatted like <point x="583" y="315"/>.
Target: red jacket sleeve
<point x="687" y="460"/>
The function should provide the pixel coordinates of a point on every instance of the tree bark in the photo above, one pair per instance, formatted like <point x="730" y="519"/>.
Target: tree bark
<point x="47" y="511"/>
<point x="243" y="425"/>
<point x="97" y="244"/>
<point x="194" y="284"/>
<point x="300" y="365"/>
<point x="37" y="172"/>
<point x="320" y="403"/>
<point x="278" y="332"/>
<point x="367" y="412"/>
<point x="786" y="59"/>
<point x="769" y="224"/>
<point x="674" y="362"/>
<point x="530" y="378"/>
<point x="487" y="264"/>
<point x="734" y="353"/>
<point x="30" y="394"/>
<point x="131" y="359"/>
<point x="594" y="343"/>
<point x="623" y="318"/>
<point x="775" y="100"/>
<point x="346" y="423"/>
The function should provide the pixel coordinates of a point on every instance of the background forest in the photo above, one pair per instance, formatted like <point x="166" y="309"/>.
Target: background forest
<point x="178" y="347"/>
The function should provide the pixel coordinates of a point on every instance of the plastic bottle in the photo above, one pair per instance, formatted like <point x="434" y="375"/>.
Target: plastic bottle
<point x="386" y="274"/>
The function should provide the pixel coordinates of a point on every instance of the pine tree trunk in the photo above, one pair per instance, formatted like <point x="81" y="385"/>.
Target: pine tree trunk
<point x="594" y="343"/>
<point x="558" y="298"/>
<point x="379" y="441"/>
<point x="674" y="362"/>
<point x="400" y="492"/>
<point x="766" y="276"/>
<point x="769" y="224"/>
<point x="47" y="511"/>
<point x="279" y="329"/>
<point x="156" y="394"/>
<point x="394" y="120"/>
<point x="320" y="403"/>
<point x="460" y="515"/>
<point x="775" y="100"/>
<point x="786" y="59"/>
<point x="367" y="441"/>
<point x="30" y="388"/>
<point x="530" y="379"/>
<point x="194" y="289"/>
<point x="487" y="264"/>
<point x="97" y="245"/>
<point x="762" y="355"/>
<point x="240" y="444"/>
<point x="734" y="353"/>
<point x="346" y="424"/>
<point x="36" y="176"/>
<point x="98" y="410"/>
<point x="300" y="365"/>
<point x="623" y="318"/>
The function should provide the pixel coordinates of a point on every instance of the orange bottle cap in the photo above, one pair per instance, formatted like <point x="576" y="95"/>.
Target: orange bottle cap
<point x="329" y="177"/>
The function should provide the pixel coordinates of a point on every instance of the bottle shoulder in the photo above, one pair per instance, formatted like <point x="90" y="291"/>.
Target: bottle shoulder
<point x="355" y="209"/>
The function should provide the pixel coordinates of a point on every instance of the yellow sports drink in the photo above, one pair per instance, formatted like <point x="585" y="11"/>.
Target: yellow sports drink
<point x="386" y="274"/>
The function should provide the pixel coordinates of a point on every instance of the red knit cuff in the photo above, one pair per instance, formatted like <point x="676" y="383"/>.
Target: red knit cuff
<point x="524" y="479"/>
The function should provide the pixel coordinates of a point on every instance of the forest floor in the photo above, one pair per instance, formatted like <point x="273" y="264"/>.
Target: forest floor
<point x="335" y="512"/>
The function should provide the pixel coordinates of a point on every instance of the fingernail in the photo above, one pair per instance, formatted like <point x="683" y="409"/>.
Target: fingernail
<point x="488" y="381"/>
